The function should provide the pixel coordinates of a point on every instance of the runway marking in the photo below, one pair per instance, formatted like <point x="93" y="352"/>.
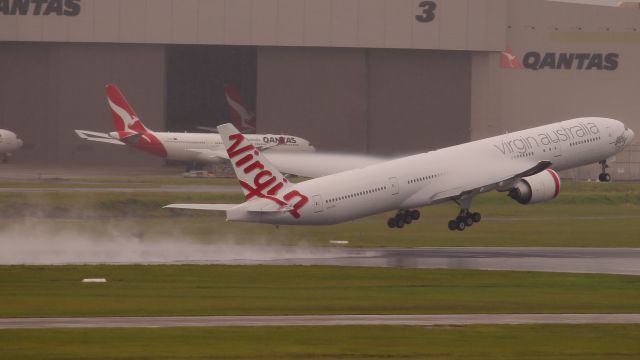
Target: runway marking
<point x="316" y="320"/>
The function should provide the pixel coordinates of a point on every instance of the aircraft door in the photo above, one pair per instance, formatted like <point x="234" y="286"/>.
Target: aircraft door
<point x="318" y="206"/>
<point x="394" y="187"/>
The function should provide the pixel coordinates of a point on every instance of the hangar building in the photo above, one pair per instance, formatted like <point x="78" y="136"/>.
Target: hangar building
<point x="374" y="76"/>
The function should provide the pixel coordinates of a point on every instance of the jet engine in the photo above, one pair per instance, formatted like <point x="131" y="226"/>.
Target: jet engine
<point x="540" y="187"/>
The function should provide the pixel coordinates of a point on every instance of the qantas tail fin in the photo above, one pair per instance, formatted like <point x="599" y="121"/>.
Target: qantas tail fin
<point x="241" y="116"/>
<point x="124" y="118"/>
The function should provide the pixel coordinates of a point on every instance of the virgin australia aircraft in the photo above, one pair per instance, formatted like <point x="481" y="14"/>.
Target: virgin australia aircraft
<point x="523" y="164"/>
<point x="193" y="147"/>
<point x="9" y="142"/>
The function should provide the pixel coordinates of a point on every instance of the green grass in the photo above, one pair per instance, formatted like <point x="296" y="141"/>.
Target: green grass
<point x="48" y="291"/>
<point x="332" y="342"/>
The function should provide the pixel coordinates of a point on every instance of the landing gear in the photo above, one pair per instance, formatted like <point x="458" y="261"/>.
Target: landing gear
<point x="465" y="217"/>
<point x="604" y="175"/>
<point x="464" y="220"/>
<point x="402" y="218"/>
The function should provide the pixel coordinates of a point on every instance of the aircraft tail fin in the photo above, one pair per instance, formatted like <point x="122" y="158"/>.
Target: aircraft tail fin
<point x="239" y="112"/>
<point x="124" y="118"/>
<point x="257" y="176"/>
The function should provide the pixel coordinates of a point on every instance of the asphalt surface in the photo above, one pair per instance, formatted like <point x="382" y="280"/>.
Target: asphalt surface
<point x="317" y="320"/>
<point x="578" y="260"/>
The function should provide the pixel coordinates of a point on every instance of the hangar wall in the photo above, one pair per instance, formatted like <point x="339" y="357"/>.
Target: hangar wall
<point x="55" y="88"/>
<point x="379" y="101"/>
<point x="508" y="99"/>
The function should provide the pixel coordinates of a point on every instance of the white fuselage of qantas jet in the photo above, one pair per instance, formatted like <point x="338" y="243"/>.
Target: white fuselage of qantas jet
<point x="452" y="173"/>
<point x="208" y="147"/>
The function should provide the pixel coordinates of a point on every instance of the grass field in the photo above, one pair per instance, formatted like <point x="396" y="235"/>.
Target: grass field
<point x="346" y="342"/>
<point x="584" y="215"/>
<point x="47" y="291"/>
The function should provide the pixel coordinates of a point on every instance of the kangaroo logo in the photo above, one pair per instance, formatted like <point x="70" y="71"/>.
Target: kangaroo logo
<point x="129" y="122"/>
<point x="509" y="61"/>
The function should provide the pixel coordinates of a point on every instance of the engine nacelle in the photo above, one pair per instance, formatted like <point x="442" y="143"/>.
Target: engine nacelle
<point x="538" y="188"/>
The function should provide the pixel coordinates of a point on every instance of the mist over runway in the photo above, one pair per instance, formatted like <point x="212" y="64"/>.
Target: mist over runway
<point x="43" y="247"/>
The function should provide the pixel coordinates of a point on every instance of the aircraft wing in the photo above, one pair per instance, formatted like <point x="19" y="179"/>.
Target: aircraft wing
<point x="97" y="136"/>
<point x="208" y="128"/>
<point x="313" y="164"/>
<point x="496" y="177"/>
<point x="211" y="207"/>
<point x="208" y="155"/>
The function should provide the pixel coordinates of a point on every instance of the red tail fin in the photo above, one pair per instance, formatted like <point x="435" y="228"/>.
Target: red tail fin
<point x="124" y="118"/>
<point x="240" y="114"/>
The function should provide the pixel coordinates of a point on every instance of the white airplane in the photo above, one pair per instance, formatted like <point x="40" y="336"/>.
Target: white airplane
<point x="9" y="142"/>
<point x="524" y="164"/>
<point x="192" y="147"/>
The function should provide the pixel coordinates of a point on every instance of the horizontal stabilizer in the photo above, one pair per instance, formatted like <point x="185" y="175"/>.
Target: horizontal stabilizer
<point x="133" y="138"/>
<point x="99" y="137"/>
<point x="211" y="207"/>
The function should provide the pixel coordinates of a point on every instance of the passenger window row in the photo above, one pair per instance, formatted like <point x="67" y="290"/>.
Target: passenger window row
<point x="423" y="178"/>
<point x="360" y="193"/>
<point x="518" y="156"/>
<point x="575" y="143"/>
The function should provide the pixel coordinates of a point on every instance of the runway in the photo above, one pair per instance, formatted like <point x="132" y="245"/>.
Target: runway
<point x="576" y="260"/>
<point x="317" y="320"/>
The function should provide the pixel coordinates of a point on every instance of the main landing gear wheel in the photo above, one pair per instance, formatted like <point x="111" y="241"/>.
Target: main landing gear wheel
<point x="402" y="218"/>
<point x="464" y="220"/>
<point x="604" y="175"/>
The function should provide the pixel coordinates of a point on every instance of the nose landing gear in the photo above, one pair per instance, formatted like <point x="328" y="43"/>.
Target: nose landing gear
<point x="464" y="219"/>
<point x="604" y="175"/>
<point x="402" y="218"/>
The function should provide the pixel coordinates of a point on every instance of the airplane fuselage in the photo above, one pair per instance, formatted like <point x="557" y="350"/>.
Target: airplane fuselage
<point x="205" y="147"/>
<point x="442" y="175"/>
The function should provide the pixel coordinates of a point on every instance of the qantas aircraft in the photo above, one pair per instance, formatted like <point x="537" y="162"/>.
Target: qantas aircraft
<point x="9" y="142"/>
<point x="193" y="147"/>
<point x="523" y="164"/>
<point x="239" y="114"/>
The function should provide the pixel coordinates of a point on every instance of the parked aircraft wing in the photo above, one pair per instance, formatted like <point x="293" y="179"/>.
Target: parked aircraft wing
<point x="208" y="155"/>
<point x="313" y="165"/>
<point x="212" y="129"/>
<point x="97" y="136"/>
<point x="211" y="207"/>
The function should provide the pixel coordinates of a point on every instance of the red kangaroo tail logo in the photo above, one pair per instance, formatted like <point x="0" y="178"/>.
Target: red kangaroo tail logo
<point x="509" y="61"/>
<point x="239" y="113"/>
<point x="257" y="177"/>
<point x="124" y="118"/>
